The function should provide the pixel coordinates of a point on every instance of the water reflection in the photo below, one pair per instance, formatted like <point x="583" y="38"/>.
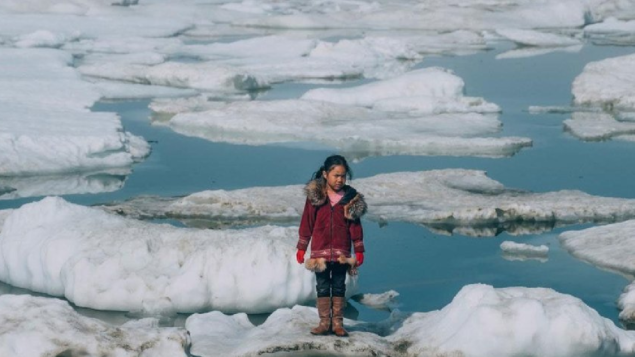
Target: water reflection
<point x="57" y="185"/>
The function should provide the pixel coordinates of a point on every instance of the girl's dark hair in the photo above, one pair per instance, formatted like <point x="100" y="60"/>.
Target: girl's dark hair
<point x="329" y="163"/>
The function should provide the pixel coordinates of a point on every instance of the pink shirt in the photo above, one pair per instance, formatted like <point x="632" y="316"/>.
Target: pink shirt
<point x="335" y="197"/>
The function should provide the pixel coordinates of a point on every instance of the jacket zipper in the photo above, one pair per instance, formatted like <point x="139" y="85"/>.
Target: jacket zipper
<point x="331" y="232"/>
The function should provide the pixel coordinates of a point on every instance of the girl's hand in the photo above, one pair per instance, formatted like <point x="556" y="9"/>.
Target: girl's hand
<point x="359" y="256"/>
<point x="299" y="256"/>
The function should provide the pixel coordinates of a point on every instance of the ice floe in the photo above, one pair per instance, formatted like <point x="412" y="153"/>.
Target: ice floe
<point x="422" y="112"/>
<point x="537" y="39"/>
<point x="598" y="126"/>
<point x="206" y="76"/>
<point x="428" y="90"/>
<point x="105" y="262"/>
<point x="612" y="31"/>
<point x="609" y="83"/>
<point x="536" y="51"/>
<point x="609" y="247"/>
<point x="47" y="126"/>
<point x="521" y="251"/>
<point x="39" y="327"/>
<point x="505" y="322"/>
<point x="451" y="199"/>
<point x="383" y="301"/>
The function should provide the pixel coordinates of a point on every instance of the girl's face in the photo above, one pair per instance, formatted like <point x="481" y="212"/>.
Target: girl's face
<point x="336" y="178"/>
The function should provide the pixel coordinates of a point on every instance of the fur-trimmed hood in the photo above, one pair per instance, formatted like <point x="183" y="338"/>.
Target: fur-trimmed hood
<point x="354" y="204"/>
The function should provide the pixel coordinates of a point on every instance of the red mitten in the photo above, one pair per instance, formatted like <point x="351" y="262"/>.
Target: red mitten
<point x="299" y="256"/>
<point x="360" y="258"/>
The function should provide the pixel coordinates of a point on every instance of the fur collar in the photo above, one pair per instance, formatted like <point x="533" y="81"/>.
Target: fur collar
<point x="354" y="204"/>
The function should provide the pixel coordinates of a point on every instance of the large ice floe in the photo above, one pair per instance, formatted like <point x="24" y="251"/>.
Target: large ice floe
<point x="609" y="247"/>
<point x="444" y="199"/>
<point x="609" y="83"/>
<point x="47" y="126"/>
<point x="480" y="321"/>
<point x="422" y="112"/>
<point x="40" y="327"/>
<point x="105" y="262"/>
<point x="604" y="101"/>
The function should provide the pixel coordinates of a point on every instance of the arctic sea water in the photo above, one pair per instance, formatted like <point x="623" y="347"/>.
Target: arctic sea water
<point x="426" y="268"/>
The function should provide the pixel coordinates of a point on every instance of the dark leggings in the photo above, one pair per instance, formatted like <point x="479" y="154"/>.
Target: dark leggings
<point x="333" y="278"/>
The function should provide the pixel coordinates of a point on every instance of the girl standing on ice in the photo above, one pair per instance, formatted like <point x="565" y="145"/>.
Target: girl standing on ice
<point x="331" y="222"/>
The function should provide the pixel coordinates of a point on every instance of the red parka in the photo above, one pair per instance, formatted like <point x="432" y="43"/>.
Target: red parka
<point x="331" y="229"/>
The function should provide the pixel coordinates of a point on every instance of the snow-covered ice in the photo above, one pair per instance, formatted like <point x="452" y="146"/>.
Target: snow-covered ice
<point x="47" y="126"/>
<point x="609" y="83"/>
<point x="41" y="327"/>
<point x="422" y="112"/>
<point x="105" y="262"/>
<point x="480" y="321"/>
<point x="206" y="76"/>
<point x="609" y="247"/>
<point x="443" y="198"/>
<point x="428" y="90"/>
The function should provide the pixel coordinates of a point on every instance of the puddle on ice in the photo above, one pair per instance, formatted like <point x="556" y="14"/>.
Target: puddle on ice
<point x="426" y="268"/>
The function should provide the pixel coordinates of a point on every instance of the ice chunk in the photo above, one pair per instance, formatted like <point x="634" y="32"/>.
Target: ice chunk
<point x="285" y="330"/>
<point x="612" y="31"/>
<point x="513" y="321"/>
<point x="609" y="83"/>
<point x="106" y="262"/>
<point x="80" y="183"/>
<point x="47" y="127"/>
<point x="609" y="247"/>
<point x="597" y="126"/>
<point x="38" y="327"/>
<point x="537" y="39"/>
<point x="432" y="82"/>
<point x="445" y="199"/>
<point x="205" y="76"/>
<point x="383" y="301"/>
<point x="521" y="251"/>
<point x="536" y="51"/>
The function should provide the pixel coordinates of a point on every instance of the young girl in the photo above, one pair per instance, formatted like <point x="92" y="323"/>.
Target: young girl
<point x="331" y="222"/>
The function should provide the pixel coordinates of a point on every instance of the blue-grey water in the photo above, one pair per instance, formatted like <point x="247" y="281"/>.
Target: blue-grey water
<point x="426" y="268"/>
